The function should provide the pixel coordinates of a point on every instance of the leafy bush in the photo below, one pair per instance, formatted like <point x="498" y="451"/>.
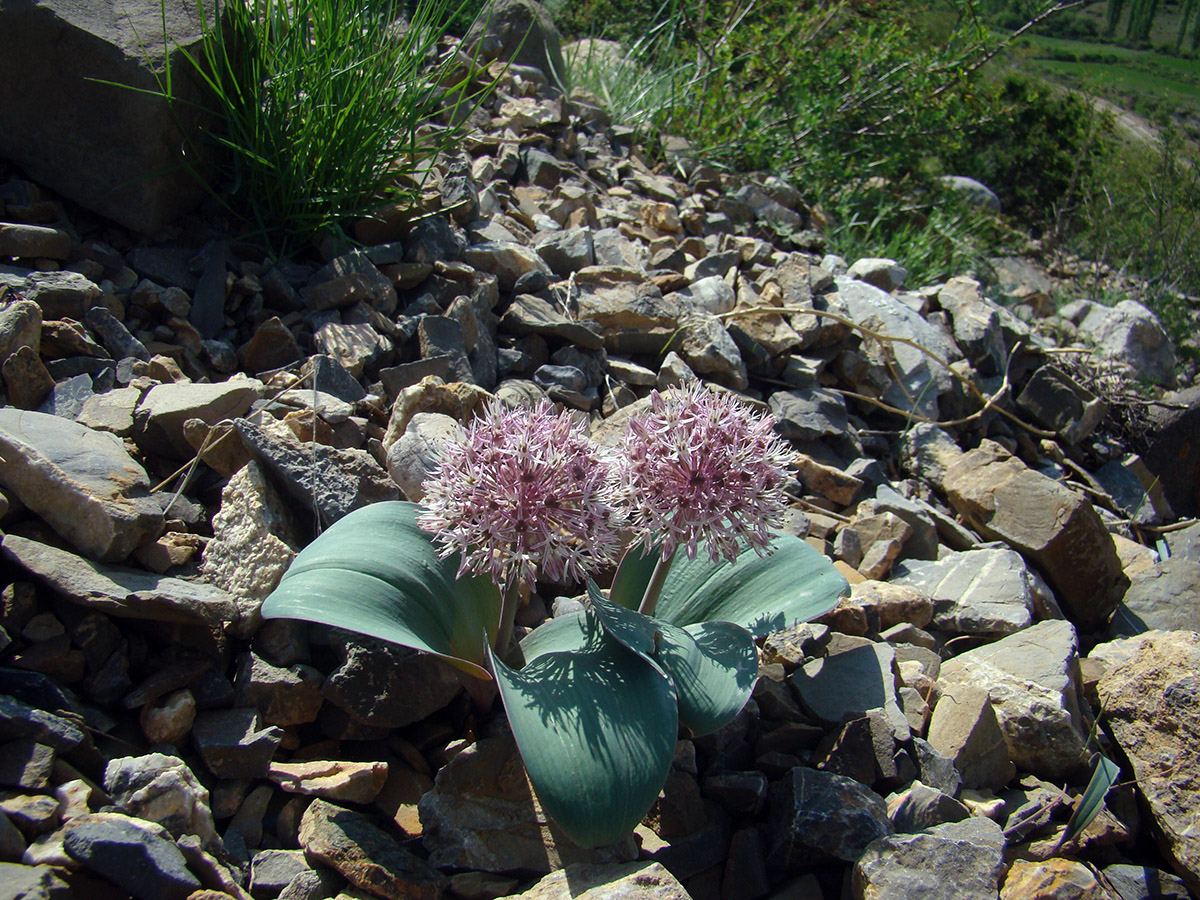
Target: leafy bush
<point x="319" y="105"/>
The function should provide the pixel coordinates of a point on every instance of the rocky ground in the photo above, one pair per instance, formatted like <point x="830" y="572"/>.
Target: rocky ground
<point x="182" y="416"/>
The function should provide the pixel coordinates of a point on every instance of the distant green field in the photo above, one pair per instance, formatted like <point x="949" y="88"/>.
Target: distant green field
<point x="1152" y="84"/>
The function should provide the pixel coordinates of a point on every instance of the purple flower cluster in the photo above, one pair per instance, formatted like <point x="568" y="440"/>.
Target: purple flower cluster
<point x="702" y="466"/>
<point x="527" y="493"/>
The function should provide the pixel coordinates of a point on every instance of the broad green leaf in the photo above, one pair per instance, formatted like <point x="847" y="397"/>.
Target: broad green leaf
<point x="376" y="572"/>
<point x="633" y="574"/>
<point x="1103" y="778"/>
<point x="714" y="666"/>
<point x="793" y="584"/>
<point x="596" y="728"/>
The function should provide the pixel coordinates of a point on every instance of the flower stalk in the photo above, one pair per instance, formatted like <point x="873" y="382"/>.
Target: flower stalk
<point x="657" y="579"/>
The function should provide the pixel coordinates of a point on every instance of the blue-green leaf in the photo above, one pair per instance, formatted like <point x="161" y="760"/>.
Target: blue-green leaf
<point x="631" y="628"/>
<point x="633" y="574"/>
<point x="1103" y="778"/>
<point x="795" y="583"/>
<point x="596" y="728"/>
<point x="376" y="572"/>
<point x="714" y="666"/>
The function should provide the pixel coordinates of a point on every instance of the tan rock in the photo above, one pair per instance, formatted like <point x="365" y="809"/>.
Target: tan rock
<point x="1054" y="527"/>
<point x="335" y="779"/>
<point x="964" y="728"/>
<point x="457" y="399"/>
<point x="1053" y="879"/>
<point x="631" y="881"/>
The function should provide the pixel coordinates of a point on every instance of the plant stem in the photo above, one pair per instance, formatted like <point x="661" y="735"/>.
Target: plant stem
<point x="508" y="613"/>
<point x="654" y="588"/>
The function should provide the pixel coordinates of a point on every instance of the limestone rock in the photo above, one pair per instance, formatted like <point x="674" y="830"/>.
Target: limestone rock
<point x="630" y="881"/>
<point x="83" y="483"/>
<point x="1032" y="679"/>
<point x="1149" y="704"/>
<point x="1054" y="527"/>
<point x="1163" y="597"/>
<point x="161" y="789"/>
<point x="350" y="782"/>
<point x="413" y="458"/>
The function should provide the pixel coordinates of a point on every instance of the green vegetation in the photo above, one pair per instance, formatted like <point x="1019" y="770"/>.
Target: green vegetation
<point x="322" y="108"/>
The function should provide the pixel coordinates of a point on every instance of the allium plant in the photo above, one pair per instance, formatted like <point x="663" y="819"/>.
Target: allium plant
<point x="595" y="699"/>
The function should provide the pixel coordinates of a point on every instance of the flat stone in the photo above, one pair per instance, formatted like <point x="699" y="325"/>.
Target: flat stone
<point x="1163" y="597"/>
<point x="1031" y="678"/>
<point x="977" y="323"/>
<point x="1150" y="705"/>
<point x="442" y="337"/>
<point x="808" y="415"/>
<point x="40" y="882"/>
<point x="25" y="764"/>
<point x="365" y="855"/>
<point x="272" y="346"/>
<point x="530" y="314"/>
<point x="61" y="295"/>
<point x="852" y="683"/>
<point x="273" y="870"/>
<point x="114" y="335"/>
<point x="283" y="696"/>
<point x="1057" y="529"/>
<point x="989" y="591"/>
<point x="26" y="379"/>
<point x="20" y="721"/>
<point x="920" y="865"/>
<point x="708" y="350"/>
<point x="506" y="260"/>
<point x="482" y="814"/>
<point x="68" y="396"/>
<point x="817" y="817"/>
<point x="355" y="346"/>
<point x="349" y="782"/>
<point x="111" y="411"/>
<point x="629" y="881"/>
<point x="566" y="251"/>
<point x="1055" y="400"/>
<point x="356" y="268"/>
<point x="920" y="807"/>
<point x="631" y="312"/>
<point x="165" y="407"/>
<point x="1145" y="883"/>
<point x="130" y="854"/>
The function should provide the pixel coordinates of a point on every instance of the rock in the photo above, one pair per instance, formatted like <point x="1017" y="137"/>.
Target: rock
<point x="482" y="814"/>
<point x="25" y="764"/>
<point x="853" y="682"/>
<point x="1149" y="704"/>
<point x="631" y="313"/>
<point x="331" y="482"/>
<point x="566" y="251"/>
<point x="630" y="881"/>
<point x="885" y="274"/>
<point x="1163" y="597"/>
<point x="76" y="133"/>
<point x="918" y="865"/>
<point x="114" y="335"/>
<point x="26" y="379"/>
<point x="60" y="295"/>
<point x="988" y="591"/>
<point x="122" y="592"/>
<point x="964" y="729"/>
<point x="921" y="807"/>
<point x="1054" y="527"/>
<point x="1128" y="335"/>
<point x="442" y="336"/>
<point x="233" y="745"/>
<point x="529" y="314"/>
<point x="922" y="380"/>
<point x="283" y="696"/>
<point x="816" y="817"/>
<point x="1031" y="678"/>
<point x="1144" y="883"/>
<point x="520" y="31"/>
<point x="457" y="400"/>
<point x="350" y="782"/>
<point x="355" y="346"/>
<point x="506" y="260"/>
<point x="169" y="719"/>
<point x="252" y="545"/>
<point x="34" y="241"/>
<point x="413" y="458"/>
<point x="384" y="685"/>
<point x="809" y="414"/>
<point x="20" y="326"/>
<point x="365" y="855"/>
<point x="83" y="483"/>
<point x="708" y="349"/>
<point x="1174" y="452"/>
<point x="165" y="407"/>
<point x="1056" y="401"/>
<point x="41" y="882"/>
<point x="273" y="870"/>
<point x="161" y="789"/>
<point x="272" y="346"/>
<point x="19" y="720"/>
<point x="111" y="411"/>
<point x="131" y="855"/>
<point x="1052" y="879"/>
<point x="346" y="280"/>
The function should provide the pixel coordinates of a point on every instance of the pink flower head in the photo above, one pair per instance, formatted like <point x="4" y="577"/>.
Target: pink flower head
<point x="702" y="466"/>
<point x="525" y="492"/>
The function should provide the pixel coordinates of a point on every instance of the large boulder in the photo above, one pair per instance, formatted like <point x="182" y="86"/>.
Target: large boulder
<point x="520" y="31"/>
<point x="113" y="150"/>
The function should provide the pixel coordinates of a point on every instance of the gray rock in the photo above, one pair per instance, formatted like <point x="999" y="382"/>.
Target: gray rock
<point x="632" y="314"/>
<point x="60" y="295"/>
<point x="1144" y="883"/>
<point x="111" y="411"/>
<point x="922" y="380"/>
<point x="165" y="407"/>
<point x="506" y="260"/>
<point x="956" y="861"/>
<point x="1031" y="678"/>
<point x="974" y="192"/>
<point x="708" y="350"/>
<point x="34" y="241"/>
<point x="413" y="458"/>
<point x="1056" y="401"/>
<point x="20" y="721"/>
<point x="20" y="326"/>
<point x="520" y="31"/>
<point x="920" y="807"/>
<point x="612" y="248"/>
<point x="67" y="397"/>
<point x="977" y="325"/>
<point x="1149" y="704"/>
<point x="853" y="682"/>
<point x="355" y="346"/>
<point x="642" y="880"/>
<point x="816" y="817"/>
<point x="366" y="855"/>
<point x="233" y="745"/>
<point x="965" y="730"/>
<point x="709" y="294"/>
<point x="114" y="335"/>
<point x="1129" y="335"/>
<point x="77" y="134"/>
<point x="345" y="280"/>
<point x="885" y="274"/>
<point x="40" y="882"/>
<point x="479" y="816"/>
<point x="433" y="239"/>
<point x="26" y="765"/>
<point x="273" y="870"/>
<point x="387" y="686"/>
<point x="808" y="415"/>
<point x="529" y="314"/>
<point x="131" y="855"/>
<point x="161" y="789"/>
<point x="252" y="545"/>
<point x="442" y="336"/>
<point x="1174" y="452"/>
<point x="990" y="591"/>
<point x="283" y="696"/>
<point x="331" y="482"/>
<point x="26" y="379"/>
<point x="123" y="592"/>
<point x="566" y="251"/>
<point x="1164" y="597"/>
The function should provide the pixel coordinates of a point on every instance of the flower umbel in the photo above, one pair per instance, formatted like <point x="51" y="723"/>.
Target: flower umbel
<point x="702" y="466"/>
<point x="525" y="492"/>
